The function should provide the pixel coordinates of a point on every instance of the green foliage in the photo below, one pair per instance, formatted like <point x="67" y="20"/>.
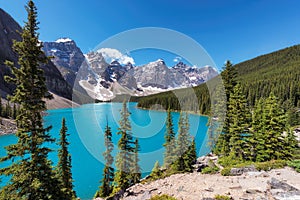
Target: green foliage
<point x="31" y="175"/>
<point x="217" y="116"/>
<point x="136" y="170"/>
<point x="269" y="124"/>
<point x="266" y="166"/>
<point x="127" y="158"/>
<point x="162" y="197"/>
<point x="170" y="142"/>
<point x="64" y="165"/>
<point x="295" y="164"/>
<point x="278" y="72"/>
<point x="240" y="119"/>
<point x="272" y="164"/>
<point x="224" y="140"/>
<point x="183" y="143"/>
<point x="226" y="171"/>
<point x="227" y="161"/>
<point x="222" y="197"/>
<point x="210" y="170"/>
<point x="8" y="110"/>
<point x="156" y="172"/>
<point x="106" y="187"/>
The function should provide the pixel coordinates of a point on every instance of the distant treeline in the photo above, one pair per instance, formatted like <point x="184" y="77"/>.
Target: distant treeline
<point x="278" y="72"/>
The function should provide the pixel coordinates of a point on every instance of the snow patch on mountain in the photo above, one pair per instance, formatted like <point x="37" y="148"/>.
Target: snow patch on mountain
<point x="111" y="55"/>
<point x="62" y="40"/>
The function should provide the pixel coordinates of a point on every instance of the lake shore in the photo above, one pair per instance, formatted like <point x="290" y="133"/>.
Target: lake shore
<point x="275" y="184"/>
<point x="178" y="111"/>
<point x="7" y="126"/>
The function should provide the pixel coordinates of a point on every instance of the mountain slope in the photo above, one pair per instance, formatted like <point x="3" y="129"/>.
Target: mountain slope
<point x="9" y="29"/>
<point x="278" y="72"/>
<point x="105" y="81"/>
<point x="66" y="56"/>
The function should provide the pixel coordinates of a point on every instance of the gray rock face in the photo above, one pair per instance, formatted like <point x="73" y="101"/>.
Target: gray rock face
<point x="9" y="29"/>
<point x="157" y="74"/>
<point x="66" y="56"/>
<point x="195" y="75"/>
<point x="240" y="171"/>
<point x="282" y="190"/>
<point x="104" y="81"/>
<point x="101" y="78"/>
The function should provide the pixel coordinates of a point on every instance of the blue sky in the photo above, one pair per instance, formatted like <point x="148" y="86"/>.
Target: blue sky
<point x="230" y="29"/>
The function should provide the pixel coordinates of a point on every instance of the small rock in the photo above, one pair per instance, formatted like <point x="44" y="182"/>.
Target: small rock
<point x="252" y="191"/>
<point x="235" y="187"/>
<point x="209" y="189"/>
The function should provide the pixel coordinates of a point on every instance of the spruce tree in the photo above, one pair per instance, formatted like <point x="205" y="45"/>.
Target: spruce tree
<point x="14" y="112"/>
<point x="170" y="142"/>
<point x="136" y="170"/>
<point x="229" y="80"/>
<point x="64" y="166"/>
<point x="239" y="114"/>
<point x="258" y="129"/>
<point x="156" y="172"/>
<point x="217" y="117"/>
<point x="106" y="187"/>
<point x="124" y="161"/>
<point x="182" y="143"/>
<point x="272" y="143"/>
<point x="31" y="175"/>
<point x="190" y="157"/>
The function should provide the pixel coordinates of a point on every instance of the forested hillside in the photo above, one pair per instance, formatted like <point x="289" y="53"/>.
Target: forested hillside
<point x="278" y="72"/>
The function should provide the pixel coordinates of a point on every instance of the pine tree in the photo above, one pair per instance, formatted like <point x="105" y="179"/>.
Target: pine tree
<point x="156" y="172"/>
<point x="273" y="123"/>
<point x="217" y="117"/>
<point x="170" y="142"/>
<point x="124" y="161"/>
<point x="64" y="165"/>
<point x="106" y="187"/>
<point x="14" y="112"/>
<point x="240" y="125"/>
<point x="258" y="128"/>
<point x="31" y="175"/>
<point x="190" y="157"/>
<point x="229" y="80"/>
<point x="136" y="170"/>
<point x="182" y="143"/>
<point x="290" y="144"/>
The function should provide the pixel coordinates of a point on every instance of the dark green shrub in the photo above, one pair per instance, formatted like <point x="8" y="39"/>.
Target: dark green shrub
<point x="210" y="170"/>
<point x="226" y="171"/>
<point x="295" y="164"/>
<point x="273" y="164"/>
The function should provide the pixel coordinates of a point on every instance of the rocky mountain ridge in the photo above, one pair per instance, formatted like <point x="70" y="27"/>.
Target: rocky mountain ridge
<point x="9" y="31"/>
<point x="103" y="81"/>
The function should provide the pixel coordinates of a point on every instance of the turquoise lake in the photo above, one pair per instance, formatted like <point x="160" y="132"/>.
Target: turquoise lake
<point x="86" y="126"/>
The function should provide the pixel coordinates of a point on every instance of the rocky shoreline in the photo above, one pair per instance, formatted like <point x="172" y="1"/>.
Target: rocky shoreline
<point x="245" y="183"/>
<point x="7" y="126"/>
<point x="279" y="184"/>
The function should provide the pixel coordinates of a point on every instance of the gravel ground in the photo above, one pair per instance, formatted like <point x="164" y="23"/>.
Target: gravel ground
<point x="197" y="186"/>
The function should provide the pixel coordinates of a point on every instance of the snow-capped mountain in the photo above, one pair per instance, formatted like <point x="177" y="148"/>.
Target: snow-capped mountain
<point x="104" y="81"/>
<point x="66" y="56"/>
<point x="195" y="75"/>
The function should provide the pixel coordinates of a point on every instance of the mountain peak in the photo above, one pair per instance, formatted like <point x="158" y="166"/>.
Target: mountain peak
<point x="63" y="40"/>
<point x="158" y="62"/>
